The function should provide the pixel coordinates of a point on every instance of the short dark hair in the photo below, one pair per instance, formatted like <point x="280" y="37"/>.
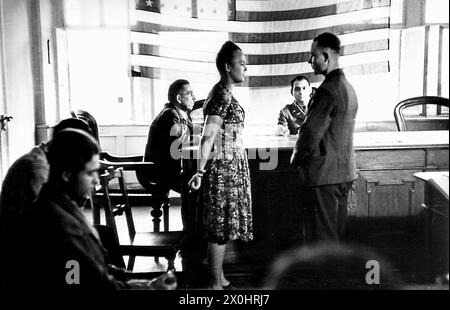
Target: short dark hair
<point x="71" y="123"/>
<point x="89" y="120"/>
<point x="329" y="40"/>
<point x="226" y="55"/>
<point x="70" y="150"/>
<point x="298" y="78"/>
<point x="174" y="89"/>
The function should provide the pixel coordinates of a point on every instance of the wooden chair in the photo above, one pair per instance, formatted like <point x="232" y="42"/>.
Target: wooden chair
<point x="152" y="244"/>
<point x="116" y="265"/>
<point x="138" y="194"/>
<point x="422" y="121"/>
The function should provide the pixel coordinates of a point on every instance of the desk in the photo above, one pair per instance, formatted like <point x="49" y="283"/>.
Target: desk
<point x="383" y="206"/>
<point x="435" y="204"/>
<point x="438" y="182"/>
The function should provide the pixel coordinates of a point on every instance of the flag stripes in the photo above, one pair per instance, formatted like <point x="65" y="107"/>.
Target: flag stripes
<point x="176" y="53"/>
<point x="310" y="12"/>
<point x="262" y="27"/>
<point x="275" y="35"/>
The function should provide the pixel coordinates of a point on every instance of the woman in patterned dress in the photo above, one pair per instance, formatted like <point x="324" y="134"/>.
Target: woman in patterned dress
<point x="223" y="166"/>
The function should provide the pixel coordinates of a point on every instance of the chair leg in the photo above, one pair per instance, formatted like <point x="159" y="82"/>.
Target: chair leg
<point x="131" y="260"/>
<point x="170" y="263"/>
<point x="166" y="206"/>
<point x="156" y="214"/>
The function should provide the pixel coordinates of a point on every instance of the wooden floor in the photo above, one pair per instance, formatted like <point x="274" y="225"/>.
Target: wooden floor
<point x="241" y="275"/>
<point x="249" y="272"/>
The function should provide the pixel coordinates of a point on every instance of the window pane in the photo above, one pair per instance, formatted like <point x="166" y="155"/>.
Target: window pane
<point x="412" y="63"/>
<point x="445" y="64"/>
<point x="436" y="11"/>
<point x="82" y="12"/>
<point x="98" y="69"/>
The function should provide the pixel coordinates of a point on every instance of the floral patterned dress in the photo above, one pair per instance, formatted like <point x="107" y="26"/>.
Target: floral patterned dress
<point x="226" y="183"/>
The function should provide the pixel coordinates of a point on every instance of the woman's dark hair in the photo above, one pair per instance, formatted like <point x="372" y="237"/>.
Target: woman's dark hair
<point x="174" y="89"/>
<point x="70" y="150"/>
<point x="226" y="55"/>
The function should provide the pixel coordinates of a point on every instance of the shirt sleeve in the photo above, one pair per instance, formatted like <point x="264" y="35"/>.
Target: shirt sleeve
<point x="282" y="119"/>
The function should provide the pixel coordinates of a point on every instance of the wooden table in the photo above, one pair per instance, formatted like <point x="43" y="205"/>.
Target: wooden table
<point x="383" y="206"/>
<point x="436" y="205"/>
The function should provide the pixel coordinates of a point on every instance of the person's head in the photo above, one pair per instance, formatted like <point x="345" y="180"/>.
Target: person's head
<point x="73" y="123"/>
<point x="231" y="63"/>
<point x="324" y="54"/>
<point x="330" y="266"/>
<point x="301" y="89"/>
<point x="89" y="120"/>
<point x="180" y="93"/>
<point x="73" y="156"/>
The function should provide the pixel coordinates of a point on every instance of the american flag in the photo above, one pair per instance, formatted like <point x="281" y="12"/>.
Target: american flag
<point x="180" y="38"/>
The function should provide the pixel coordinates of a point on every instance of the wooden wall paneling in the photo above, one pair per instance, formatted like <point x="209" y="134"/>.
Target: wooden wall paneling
<point x="393" y="211"/>
<point x="276" y="212"/>
<point x="437" y="159"/>
<point x="134" y="145"/>
<point x="390" y="159"/>
<point x="108" y="144"/>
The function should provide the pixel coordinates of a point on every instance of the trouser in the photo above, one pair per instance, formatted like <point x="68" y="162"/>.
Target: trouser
<point x="325" y="211"/>
<point x="192" y="217"/>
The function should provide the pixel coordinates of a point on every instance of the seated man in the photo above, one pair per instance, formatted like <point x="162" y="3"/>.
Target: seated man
<point x="57" y="243"/>
<point x="169" y="130"/>
<point x="24" y="180"/>
<point x="293" y="115"/>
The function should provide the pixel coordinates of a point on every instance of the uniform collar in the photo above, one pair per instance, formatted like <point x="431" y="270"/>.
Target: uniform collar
<point x="297" y="109"/>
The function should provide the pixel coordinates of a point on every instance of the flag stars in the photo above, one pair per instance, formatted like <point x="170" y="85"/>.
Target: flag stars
<point x="149" y="3"/>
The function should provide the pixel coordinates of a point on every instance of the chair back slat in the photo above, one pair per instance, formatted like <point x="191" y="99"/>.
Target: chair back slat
<point x="109" y="217"/>
<point x="127" y="208"/>
<point x="123" y="208"/>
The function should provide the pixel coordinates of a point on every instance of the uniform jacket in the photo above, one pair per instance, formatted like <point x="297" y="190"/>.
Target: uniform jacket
<point x="292" y="116"/>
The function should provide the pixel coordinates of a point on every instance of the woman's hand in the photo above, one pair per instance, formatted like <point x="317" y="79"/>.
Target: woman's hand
<point x="195" y="182"/>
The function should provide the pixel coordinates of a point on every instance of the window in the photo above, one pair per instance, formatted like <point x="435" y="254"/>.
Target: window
<point x="104" y="79"/>
<point x="98" y="48"/>
<point x="436" y="12"/>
